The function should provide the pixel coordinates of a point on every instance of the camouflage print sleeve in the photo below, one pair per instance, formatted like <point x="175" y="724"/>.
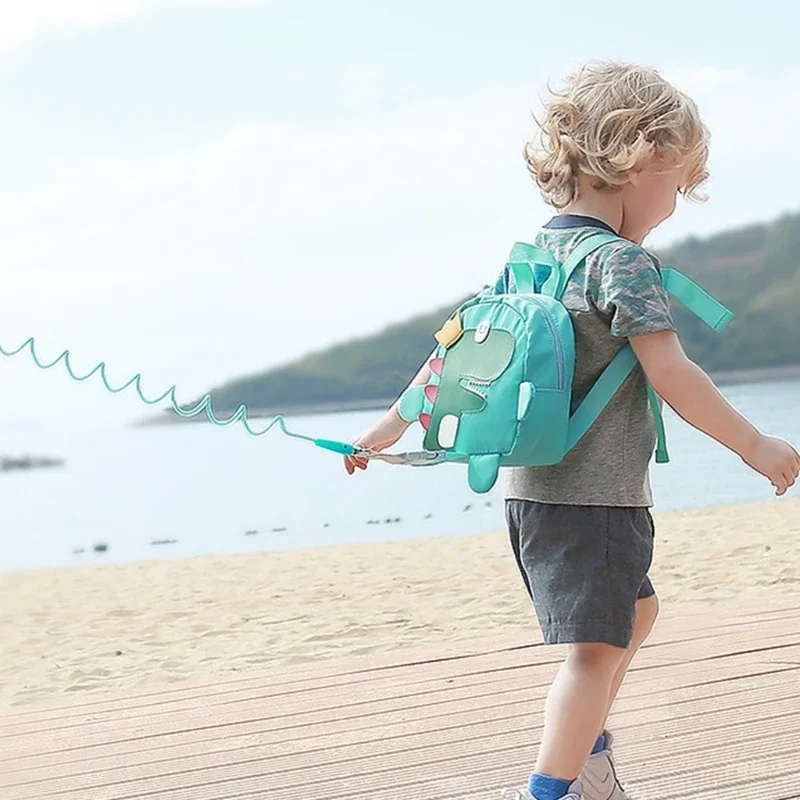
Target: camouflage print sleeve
<point x="630" y="292"/>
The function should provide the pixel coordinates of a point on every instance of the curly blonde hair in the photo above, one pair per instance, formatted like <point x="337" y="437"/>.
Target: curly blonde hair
<point x="609" y="120"/>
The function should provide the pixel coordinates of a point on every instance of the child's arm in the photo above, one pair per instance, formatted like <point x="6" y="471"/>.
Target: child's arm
<point x="391" y="426"/>
<point x="691" y="393"/>
<point x="388" y="429"/>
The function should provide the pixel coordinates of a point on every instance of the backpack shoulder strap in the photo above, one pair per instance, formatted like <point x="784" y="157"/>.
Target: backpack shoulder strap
<point x="662" y="454"/>
<point x="606" y="386"/>
<point x="696" y="299"/>
<point x="536" y="268"/>
<point x="576" y="258"/>
<point x="700" y="303"/>
<point x="523" y="262"/>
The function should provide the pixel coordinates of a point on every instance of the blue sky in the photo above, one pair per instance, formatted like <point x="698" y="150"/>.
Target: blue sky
<point x="196" y="190"/>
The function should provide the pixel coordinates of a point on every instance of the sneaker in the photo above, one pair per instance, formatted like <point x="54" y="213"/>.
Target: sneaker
<point x="573" y="793"/>
<point x="599" y="776"/>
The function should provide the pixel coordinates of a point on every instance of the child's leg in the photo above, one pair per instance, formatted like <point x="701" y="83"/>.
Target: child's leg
<point x="599" y="776"/>
<point x="646" y="613"/>
<point x="576" y="708"/>
<point x="583" y="567"/>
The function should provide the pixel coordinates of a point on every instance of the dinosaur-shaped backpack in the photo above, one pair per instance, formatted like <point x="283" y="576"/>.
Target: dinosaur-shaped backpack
<point x="500" y="392"/>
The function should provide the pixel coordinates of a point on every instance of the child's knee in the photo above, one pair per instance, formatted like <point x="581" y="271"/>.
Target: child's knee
<point x="595" y="657"/>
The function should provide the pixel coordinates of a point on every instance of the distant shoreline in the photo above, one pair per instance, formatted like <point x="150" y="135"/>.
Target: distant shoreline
<point x="759" y="375"/>
<point x="723" y="378"/>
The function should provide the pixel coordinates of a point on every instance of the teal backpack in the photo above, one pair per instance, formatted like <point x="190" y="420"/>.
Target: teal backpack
<point x="500" y="392"/>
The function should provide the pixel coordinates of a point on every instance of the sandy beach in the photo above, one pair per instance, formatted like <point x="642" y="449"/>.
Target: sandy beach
<point x="107" y="627"/>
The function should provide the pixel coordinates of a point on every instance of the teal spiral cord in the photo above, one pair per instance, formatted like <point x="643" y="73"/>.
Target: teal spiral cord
<point x="203" y="405"/>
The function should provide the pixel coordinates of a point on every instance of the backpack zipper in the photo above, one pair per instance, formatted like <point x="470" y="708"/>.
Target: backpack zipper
<point x="556" y="341"/>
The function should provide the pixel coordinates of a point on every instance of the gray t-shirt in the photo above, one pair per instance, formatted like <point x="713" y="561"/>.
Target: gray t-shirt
<point x="615" y="295"/>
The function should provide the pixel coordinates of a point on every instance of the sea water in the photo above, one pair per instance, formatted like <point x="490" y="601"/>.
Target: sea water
<point x="191" y="489"/>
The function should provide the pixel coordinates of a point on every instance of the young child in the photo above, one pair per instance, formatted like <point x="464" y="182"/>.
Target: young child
<point x="617" y="145"/>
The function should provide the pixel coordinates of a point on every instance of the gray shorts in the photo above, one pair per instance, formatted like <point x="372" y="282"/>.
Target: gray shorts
<point x="584" y="567"/>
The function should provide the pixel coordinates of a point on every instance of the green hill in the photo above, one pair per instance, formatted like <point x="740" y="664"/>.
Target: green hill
<point x="754" y="270"/>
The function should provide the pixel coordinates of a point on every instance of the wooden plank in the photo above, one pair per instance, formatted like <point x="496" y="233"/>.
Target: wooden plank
<point x="710" y="689"/>
<point x="773" y="637"/>
<point x="340" y="714"/>
<point x="202" y="726"/>
<point x="395" y="752"/>
<point x="441" y="773"/>
<point x="762" y="701"/>
<point x="511" y="717"/>
<point x="438" y="728"/>
<point x="490" y="721"/>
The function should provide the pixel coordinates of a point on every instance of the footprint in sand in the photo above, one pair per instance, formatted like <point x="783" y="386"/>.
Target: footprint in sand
<point x="120" y="612"/>
<point x="199" y="629"/>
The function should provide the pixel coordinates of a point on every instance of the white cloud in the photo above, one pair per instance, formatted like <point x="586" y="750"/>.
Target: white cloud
<point x="702" y="81"/>
<point x="361" y="85"/>
<point x="22" y="22"/>
<point x="259" y="175"/>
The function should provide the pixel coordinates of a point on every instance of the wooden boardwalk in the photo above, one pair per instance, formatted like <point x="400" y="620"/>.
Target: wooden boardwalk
<point x="711" y="710"/>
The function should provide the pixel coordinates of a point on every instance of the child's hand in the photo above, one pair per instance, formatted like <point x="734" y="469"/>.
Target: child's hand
<point x="381" y="435"/>
<point x="775" y="459"/>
